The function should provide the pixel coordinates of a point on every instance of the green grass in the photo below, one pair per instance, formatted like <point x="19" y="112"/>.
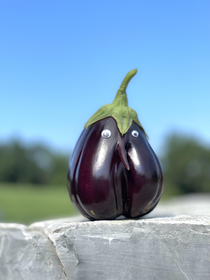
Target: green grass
<point x="25" y="204"/>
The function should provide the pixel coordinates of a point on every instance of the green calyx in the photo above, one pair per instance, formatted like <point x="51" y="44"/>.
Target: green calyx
<point x="119" y="109"/>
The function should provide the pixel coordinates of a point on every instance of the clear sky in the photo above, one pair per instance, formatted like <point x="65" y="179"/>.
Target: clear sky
<point x="60" y="61"/>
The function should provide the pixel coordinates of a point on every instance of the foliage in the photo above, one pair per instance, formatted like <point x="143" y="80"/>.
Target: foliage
<point x="186" y="165"/>
<point x="36" y="165"/>
<point x="185" y="161"/>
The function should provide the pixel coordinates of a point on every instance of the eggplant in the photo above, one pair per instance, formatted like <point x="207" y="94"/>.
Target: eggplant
<point x="113" y="170"/>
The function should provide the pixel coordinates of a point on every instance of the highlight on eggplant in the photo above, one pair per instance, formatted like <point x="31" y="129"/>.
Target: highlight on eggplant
<point x="113" y="170"/>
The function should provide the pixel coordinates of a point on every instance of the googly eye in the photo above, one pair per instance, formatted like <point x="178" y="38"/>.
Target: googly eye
<point x="135" y="133"/>
<point x="106" y="133"/>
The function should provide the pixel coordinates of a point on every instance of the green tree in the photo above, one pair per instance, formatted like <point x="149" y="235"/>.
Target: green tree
<point x="186" y="165"/>
<point x="35" y="164"/>
<point x="17" y="166"/>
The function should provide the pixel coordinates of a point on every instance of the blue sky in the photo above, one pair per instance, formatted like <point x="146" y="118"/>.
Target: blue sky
<point x="62" y="60"/>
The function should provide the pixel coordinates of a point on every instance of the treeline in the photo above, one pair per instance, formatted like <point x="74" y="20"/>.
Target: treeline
<point x="36" y="165"/>
<point x="185" y="162"/>
<point x="186" y="165"/>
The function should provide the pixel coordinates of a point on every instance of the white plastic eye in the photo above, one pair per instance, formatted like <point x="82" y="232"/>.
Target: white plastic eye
<point x="135" y="133"/>
<point x="106" y="133"/>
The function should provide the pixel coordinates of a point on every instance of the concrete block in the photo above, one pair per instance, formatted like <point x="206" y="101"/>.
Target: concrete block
<point x="163" y="245"/>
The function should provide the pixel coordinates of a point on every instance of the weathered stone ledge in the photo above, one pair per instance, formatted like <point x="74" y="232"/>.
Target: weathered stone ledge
<point x="163" y="245"/>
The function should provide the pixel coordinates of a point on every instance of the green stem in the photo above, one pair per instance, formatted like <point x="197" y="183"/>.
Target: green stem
<point x="121" y="96"/>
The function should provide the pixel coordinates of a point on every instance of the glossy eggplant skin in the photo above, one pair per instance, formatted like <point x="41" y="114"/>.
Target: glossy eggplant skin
<point x="117" y="176"/>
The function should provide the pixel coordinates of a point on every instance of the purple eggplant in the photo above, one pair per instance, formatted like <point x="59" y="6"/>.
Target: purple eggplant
<point x="113" y="170"/>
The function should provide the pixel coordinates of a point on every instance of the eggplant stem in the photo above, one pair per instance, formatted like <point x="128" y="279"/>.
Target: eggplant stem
<point x="121" y="96"/>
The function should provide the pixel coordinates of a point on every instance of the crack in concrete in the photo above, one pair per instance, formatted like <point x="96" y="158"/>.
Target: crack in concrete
<point x="186" y="276"/>
<point x="56" y="253"/>
<point x="75" y="252"/>
<point x="71" y="246"/>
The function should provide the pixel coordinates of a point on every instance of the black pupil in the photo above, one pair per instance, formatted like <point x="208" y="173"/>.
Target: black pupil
<point x="106" y="134"/>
